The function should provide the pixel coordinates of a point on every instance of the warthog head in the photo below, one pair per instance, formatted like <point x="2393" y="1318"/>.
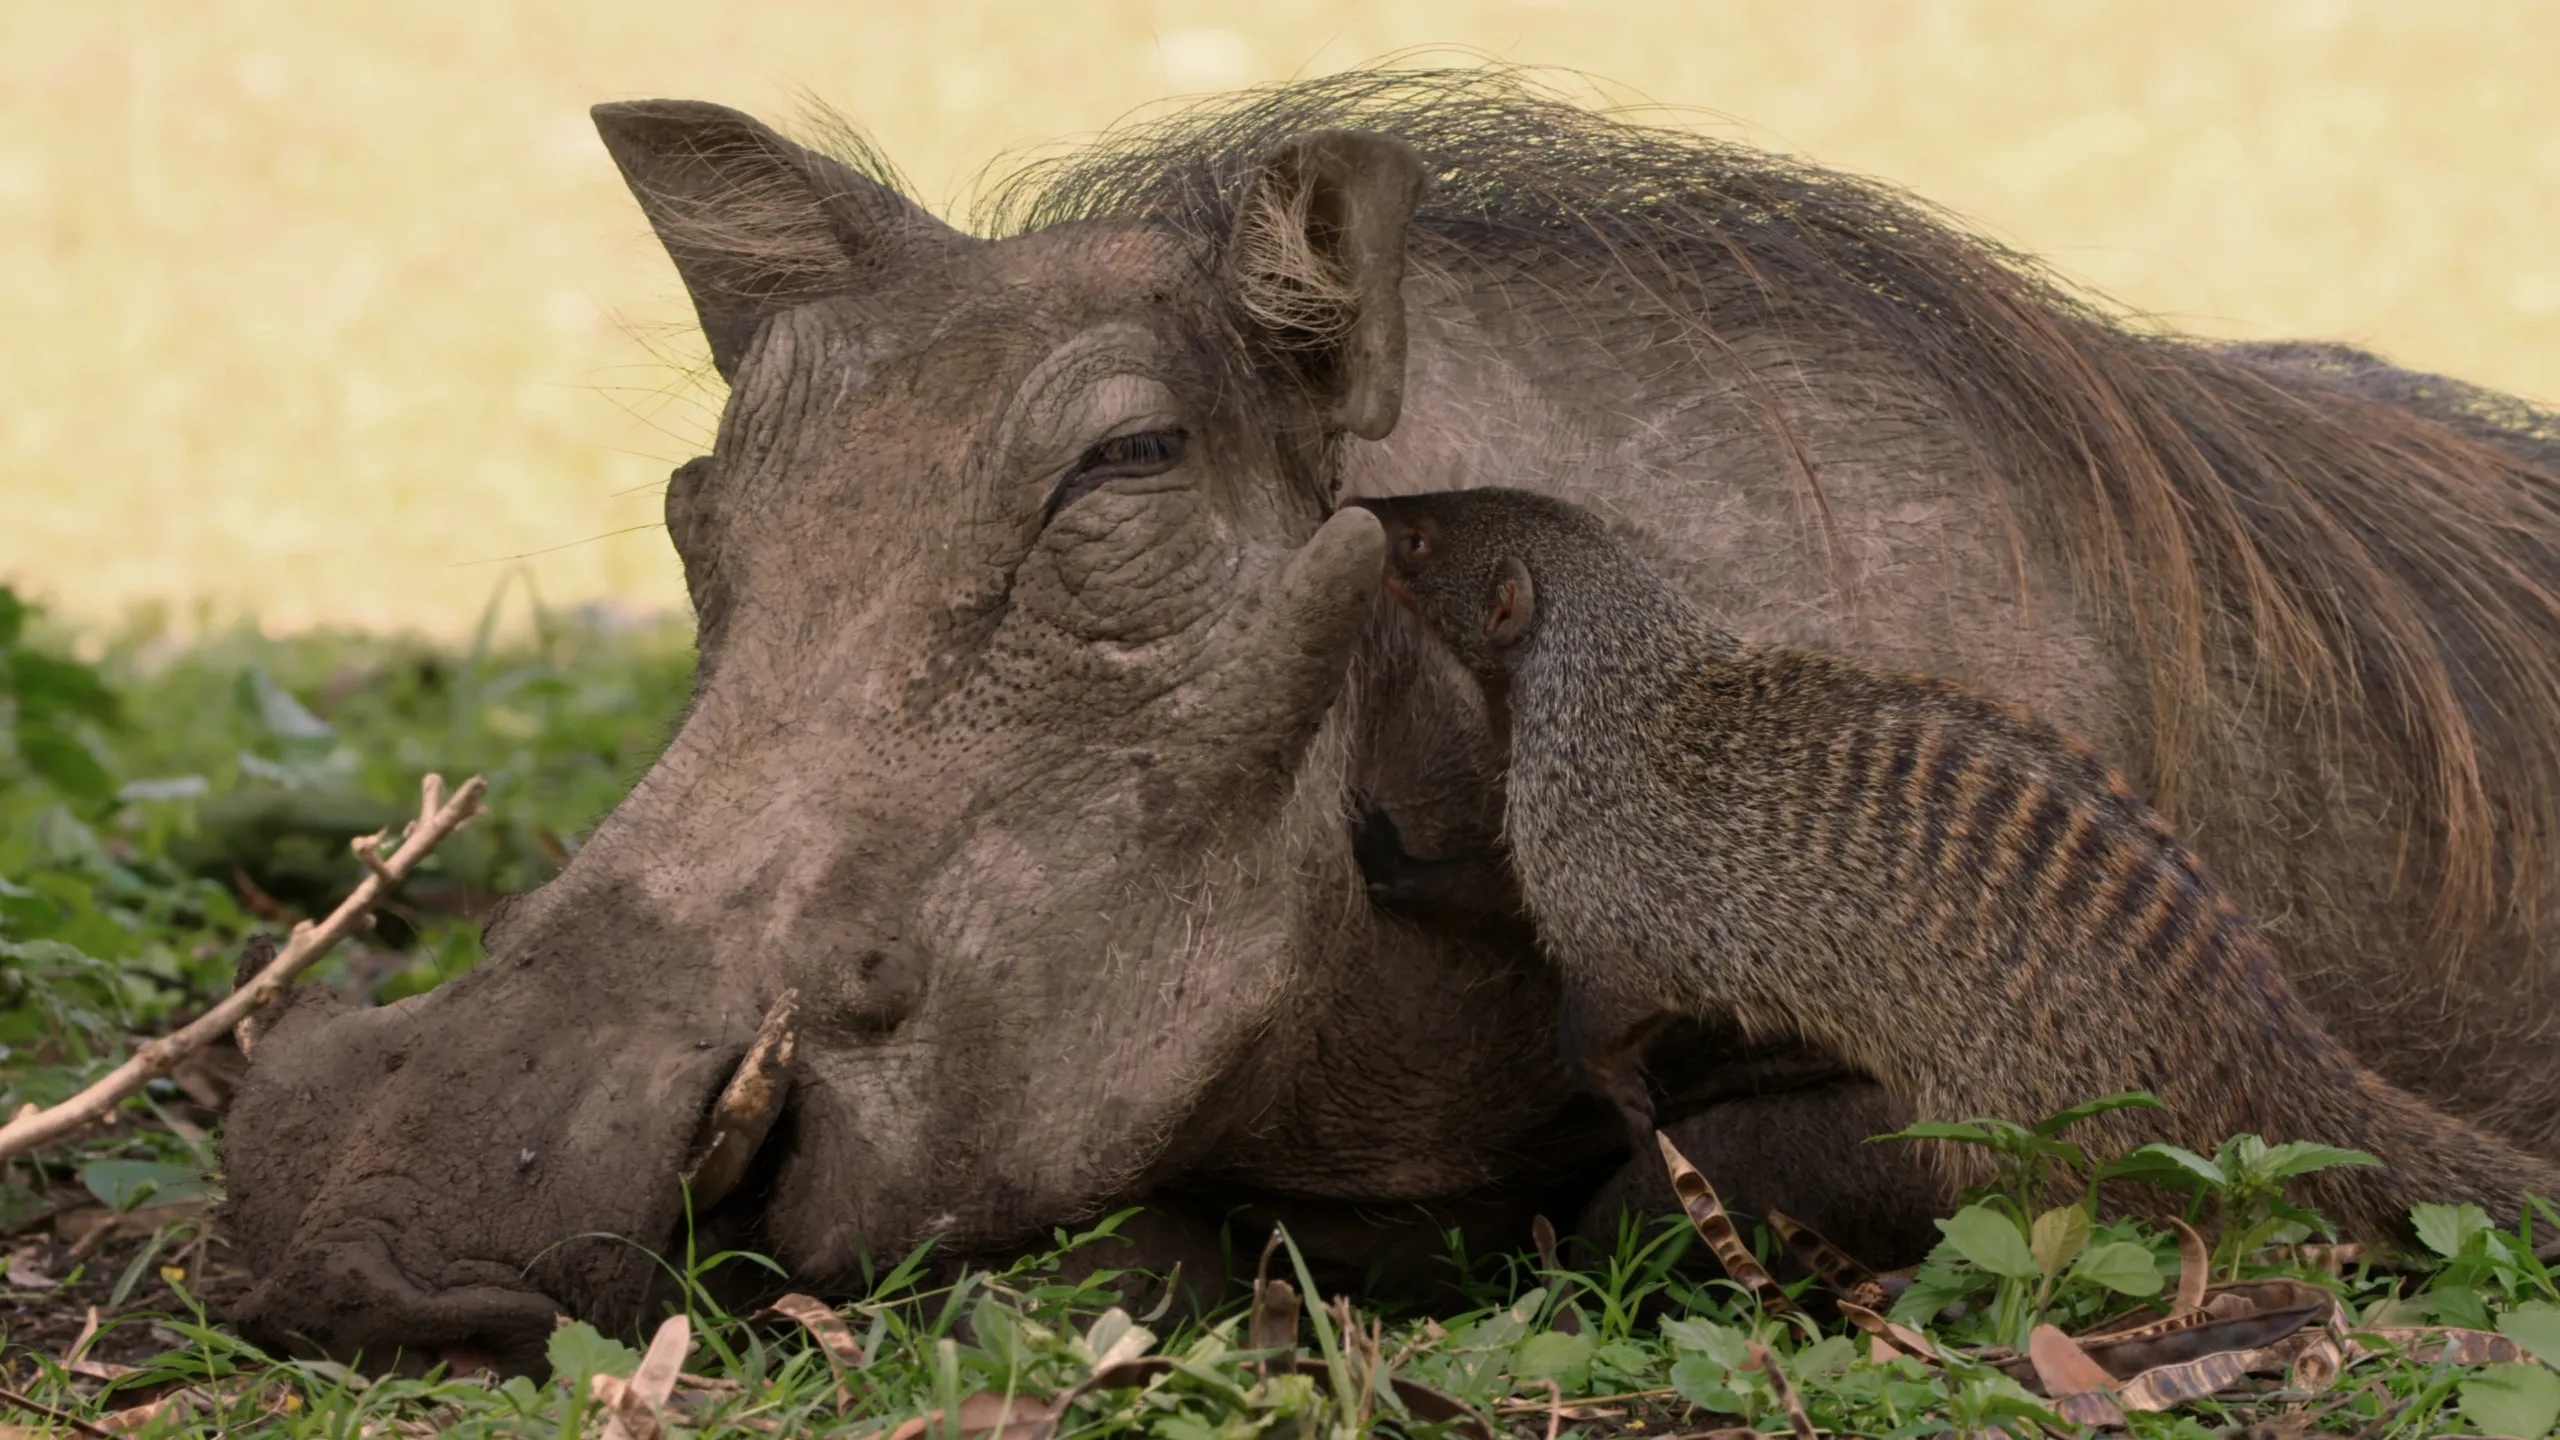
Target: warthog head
<point x="1020" y="613"/>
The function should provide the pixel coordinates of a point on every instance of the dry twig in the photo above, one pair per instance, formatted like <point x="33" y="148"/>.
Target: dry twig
<point x="438" y="817"/>
<point x="58" y="1417"/>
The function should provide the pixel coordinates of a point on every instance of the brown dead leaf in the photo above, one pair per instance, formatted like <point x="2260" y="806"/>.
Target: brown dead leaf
<point x="2429" y="1344"/>
<point x="26" y="1268"/>
<point x="1274" y="1325"/>
<point x="2144" y="1323"/>
<point x="2311" y="1357"/>
<point x="87" y="1228"/>
<point x="2061" y="1366"/>
<point x="2195" y="1270"/>
<point x="80" y="1343"/>
<point x="833" y="1337"/>
<point x="1542" y="1233"/>
<point x="209" y="1076"/>
<point x="1274" y="1322"/>
<point x="2079" y="1387"/>
<point x="1707" y="1215"/>
<point x="1576" y="1413"/>
<point x="823" y="1324"/>
<point x="176" y="1405"/>
<point x="1836" y="1267"/>
<point x="77" y="1361"/>
<point x="1901" y="1337"/>
<point x="2167" y="1385"/>
<point x="2130" y="1356"/>
<point x="2240" y="1297"/>
<point x="1015" y="1417"/>
<point x="631" y="1406"/>
<point x="2329" y="1259"/>
<point x="1784" y="1392"/>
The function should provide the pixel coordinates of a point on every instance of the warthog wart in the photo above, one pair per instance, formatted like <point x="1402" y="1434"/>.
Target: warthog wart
<point x="1042" y="677"/>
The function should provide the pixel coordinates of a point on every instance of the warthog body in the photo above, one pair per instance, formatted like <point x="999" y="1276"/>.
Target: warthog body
<point x="1038" y="692"/>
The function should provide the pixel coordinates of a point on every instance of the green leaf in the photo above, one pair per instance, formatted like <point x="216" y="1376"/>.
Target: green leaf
<point x="1829" y="1355"/>
<point x="49" y="686"/>
<point x="2535" y="1325"/>
<point x="284" y="716"/>
<point x="13" y="616"/>
<point x="2121" y="1266"/>
<point x="994" y="1325"/>
<point x="1937" y="1285"/>
<point x="2512" y="1400"/>
<point x="1551" y="1353"/>
<point x="1966" y="1131"/>
<point x="577" y="1351"/>
<point x="1722" y="1344"/>
<point x="123" y="1184"/>
<point x="2301" y="1157"/>
<point x="1991" y="1241"/>
<point x="2446" y="1229"/>
<point x="1626" y="1358"/>
<point x="2459" y="1305"/>
<point x="66" y="762"/>
<point x="1703" y="1383"/>
<point x="2061" y="1120"/>
<point x="2058" y="1238"/>
<point x="2169" y="1165"/>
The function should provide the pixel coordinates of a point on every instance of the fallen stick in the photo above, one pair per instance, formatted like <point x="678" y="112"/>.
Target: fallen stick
<point x="438" y="817"/>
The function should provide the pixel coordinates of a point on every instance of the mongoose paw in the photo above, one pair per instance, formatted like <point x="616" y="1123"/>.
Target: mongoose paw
<point x="1625" y="1090"/>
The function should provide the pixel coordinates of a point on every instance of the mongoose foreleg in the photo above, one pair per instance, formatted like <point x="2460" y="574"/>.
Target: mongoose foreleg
<point x="1604" y="1042"/>
<point x="1467" y="886"/>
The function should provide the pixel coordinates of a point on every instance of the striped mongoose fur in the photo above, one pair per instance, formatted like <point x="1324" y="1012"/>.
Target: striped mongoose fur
<point x="1938" y="889"/>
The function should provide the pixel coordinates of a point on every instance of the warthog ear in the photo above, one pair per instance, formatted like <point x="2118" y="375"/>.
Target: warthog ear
<point x="1317" y="259"/>
<point x="755" y="223"/>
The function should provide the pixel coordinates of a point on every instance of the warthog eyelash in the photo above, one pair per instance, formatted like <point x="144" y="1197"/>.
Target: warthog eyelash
<point x="1148" y="452"/>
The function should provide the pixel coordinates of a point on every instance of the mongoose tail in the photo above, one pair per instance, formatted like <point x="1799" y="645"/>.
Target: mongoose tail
<point x="1958" y="900"/>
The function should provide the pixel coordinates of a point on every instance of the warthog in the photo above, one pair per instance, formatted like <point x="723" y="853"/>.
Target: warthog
<point x="1042" y="682"/>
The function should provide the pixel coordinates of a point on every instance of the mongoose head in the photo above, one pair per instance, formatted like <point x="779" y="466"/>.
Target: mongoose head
<point x="1466" y="562"/>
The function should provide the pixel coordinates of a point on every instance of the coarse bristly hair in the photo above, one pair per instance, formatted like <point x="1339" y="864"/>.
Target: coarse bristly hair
<point x="2301" y="518"/>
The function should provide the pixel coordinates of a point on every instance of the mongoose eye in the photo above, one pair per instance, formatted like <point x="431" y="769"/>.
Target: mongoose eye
<point x="1414" y="544"/>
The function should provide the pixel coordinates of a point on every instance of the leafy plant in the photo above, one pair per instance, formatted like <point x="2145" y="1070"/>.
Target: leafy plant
<point x="2246" y="1179"/>
<point x="2030" y="1162"/>
<point x="53" y="709"/>
<point x="2037" y="1262"/>
<point x="2482" y="1264"/>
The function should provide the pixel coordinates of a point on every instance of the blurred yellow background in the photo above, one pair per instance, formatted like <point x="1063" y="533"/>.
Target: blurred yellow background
<point x="319" y="311"/>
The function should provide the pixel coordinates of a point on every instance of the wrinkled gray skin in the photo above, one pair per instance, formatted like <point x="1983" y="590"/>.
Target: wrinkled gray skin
<point x="1047" y="817"/>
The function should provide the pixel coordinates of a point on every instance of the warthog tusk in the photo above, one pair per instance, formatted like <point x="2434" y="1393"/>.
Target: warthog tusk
<point x="747" y="1107"/>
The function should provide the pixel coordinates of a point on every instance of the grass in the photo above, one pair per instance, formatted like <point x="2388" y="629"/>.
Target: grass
<point x="161" y="803"/>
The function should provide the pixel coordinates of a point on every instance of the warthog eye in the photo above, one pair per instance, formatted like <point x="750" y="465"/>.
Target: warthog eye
<point x="1148" y="452"/>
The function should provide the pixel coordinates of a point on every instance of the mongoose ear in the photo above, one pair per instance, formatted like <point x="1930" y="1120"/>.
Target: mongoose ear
<point x="1511" y="603"/>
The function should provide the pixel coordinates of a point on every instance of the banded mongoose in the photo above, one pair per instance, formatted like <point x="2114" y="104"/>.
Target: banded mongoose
<point x="1938" y="889"/>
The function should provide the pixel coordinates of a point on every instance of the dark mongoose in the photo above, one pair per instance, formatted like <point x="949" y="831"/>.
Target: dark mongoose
<point x="1957" y="899"/>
